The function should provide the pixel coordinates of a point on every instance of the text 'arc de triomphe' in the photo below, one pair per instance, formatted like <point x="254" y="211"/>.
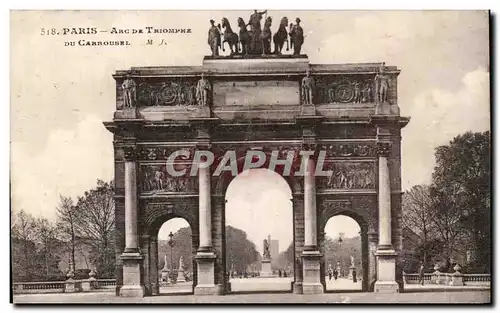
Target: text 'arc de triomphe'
<point x="349" y="112"/>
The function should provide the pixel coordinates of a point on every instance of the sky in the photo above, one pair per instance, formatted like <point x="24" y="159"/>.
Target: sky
<point x="61" y="95"/>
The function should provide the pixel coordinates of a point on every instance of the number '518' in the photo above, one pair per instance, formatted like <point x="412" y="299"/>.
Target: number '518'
<point x="51" y="31"/>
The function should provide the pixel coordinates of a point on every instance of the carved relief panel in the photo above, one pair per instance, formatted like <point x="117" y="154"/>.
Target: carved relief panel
<point x="167" y="92"/>
<point x="349" y="175"/>
<point x="343" y="149"/>
<point x="345" y="89"/>
<point x="155" y="179"/>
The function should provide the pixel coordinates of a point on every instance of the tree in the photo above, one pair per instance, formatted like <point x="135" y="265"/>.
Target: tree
<point x="94" y="222"/>
<point x="47" y="243"/>
<point x="461" y="192"/>
<point x="183" y="246"/>
<point x="418" y="214"/>
<point x="240" y="252"/>
<point x="66" y="212"/>
<point x="24" y="249"/>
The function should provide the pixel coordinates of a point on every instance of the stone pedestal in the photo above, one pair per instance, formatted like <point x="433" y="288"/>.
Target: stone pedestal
<point x="206" y="274"/>
<point x="132" y="286"/>
<point x="307" y="110"/>
<point x="70" y="285"/>
<point x="457" y="279"/>
<point x="386" y="272"/>
<point x="180" y="275"/>
<point x="311" y="272"/>
<point x="165" y="276"/>
<point x="86" y="285"/>
<point x="266" y="270"/>
<point x="126" y="113"/>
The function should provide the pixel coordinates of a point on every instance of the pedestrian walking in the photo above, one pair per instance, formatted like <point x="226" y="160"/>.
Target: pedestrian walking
<point x="421" y="274"/>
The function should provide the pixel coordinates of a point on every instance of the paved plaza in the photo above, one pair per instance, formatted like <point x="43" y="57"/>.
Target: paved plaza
<point x="342" y="284"/>
<point x="247" y="290"/>
<point x="359" y="297"/>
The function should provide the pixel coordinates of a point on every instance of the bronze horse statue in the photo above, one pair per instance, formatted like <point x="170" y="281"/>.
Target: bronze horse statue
<point x="265" y="36"/>
<point x="244" y="37"/>
<point x="229" y="36"/>
<point x="281" y="36"/>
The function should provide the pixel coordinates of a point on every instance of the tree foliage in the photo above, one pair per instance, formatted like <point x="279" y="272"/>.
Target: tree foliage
<point x="41" y="246"/>
<point x="453" y="214"/>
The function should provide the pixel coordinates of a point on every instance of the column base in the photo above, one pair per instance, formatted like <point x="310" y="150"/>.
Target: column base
<point x="132" y="286"/>
<point x="206" y="274"/>
<point x="386" y="271"/>
<point x="155" y="289"/>
<point x="311" y="283"/>
<point x="312" y="288"/>
<point x="386" y="287"/>
<point x="132" y="291"/>
<point x="208" y="290"/>
<point x="297" y="288"/>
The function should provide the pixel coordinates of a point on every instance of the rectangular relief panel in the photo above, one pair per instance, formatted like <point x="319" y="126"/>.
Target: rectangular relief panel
<point x="154" y="179"/>
<point x="349" y="176"/>
<point x="248" y="93"/>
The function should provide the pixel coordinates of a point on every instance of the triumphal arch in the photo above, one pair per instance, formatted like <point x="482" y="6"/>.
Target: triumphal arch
<point x="344" y="116"/>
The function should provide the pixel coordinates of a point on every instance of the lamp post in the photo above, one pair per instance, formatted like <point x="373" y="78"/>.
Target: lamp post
<point x="171" y="245"/>
<point x="340" y="249"/>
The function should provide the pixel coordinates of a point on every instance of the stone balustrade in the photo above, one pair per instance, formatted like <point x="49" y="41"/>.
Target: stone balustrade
<point x="60" y="286"/>
<point x="446" y="278"/>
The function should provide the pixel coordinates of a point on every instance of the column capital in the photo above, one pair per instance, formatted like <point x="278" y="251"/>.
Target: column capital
<point x="130" y="153"/>
<point x="384" y="149"/>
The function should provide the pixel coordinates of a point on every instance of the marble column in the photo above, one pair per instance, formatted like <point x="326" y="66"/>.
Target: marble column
<point x="386" y="255"/>
<point x="132" y="258"/>
<point x="153" y="266"/>
<point x="205" y="210"/>
<point x="205" y="257"/>
<point x="311" y="257"/>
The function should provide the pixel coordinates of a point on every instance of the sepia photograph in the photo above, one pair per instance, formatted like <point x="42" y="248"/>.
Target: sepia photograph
<point x="250" y="156"/>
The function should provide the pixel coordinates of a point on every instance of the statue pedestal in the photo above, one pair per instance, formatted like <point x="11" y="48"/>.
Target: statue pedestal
<point x="180" y="275"/>
<point x="126" y="113"/>
<point x="165" y="277"/>
<point x="308" y="110"/>
<point x="266" y="270"/>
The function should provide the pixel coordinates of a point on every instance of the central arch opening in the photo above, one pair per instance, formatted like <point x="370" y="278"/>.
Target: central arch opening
<point x="175" y="263"/>
<point x="259" y="242"/>
<point x="343" y="245"/>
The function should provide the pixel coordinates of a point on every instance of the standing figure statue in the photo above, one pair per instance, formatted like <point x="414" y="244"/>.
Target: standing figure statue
<point x="267" y="253"/>
<point x="202" y="91"/>
<point x="367" y="93"/>
<point x="255" y="30"/>
<point x="265" y="36"/>
<point x="307" y="88"/>
<point x="357" y="92"/>
<point x="280" y="37"/>
<point x="159" y="176"/>
<point x="129" y="92"/>
<point x="297" y="37"/>
<point x="214" y="40"/>
<point x="382" y="84"/>
<point x="244" y="37"/>
<point x="352" y="260"/>
<point x="229" y="36"/>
